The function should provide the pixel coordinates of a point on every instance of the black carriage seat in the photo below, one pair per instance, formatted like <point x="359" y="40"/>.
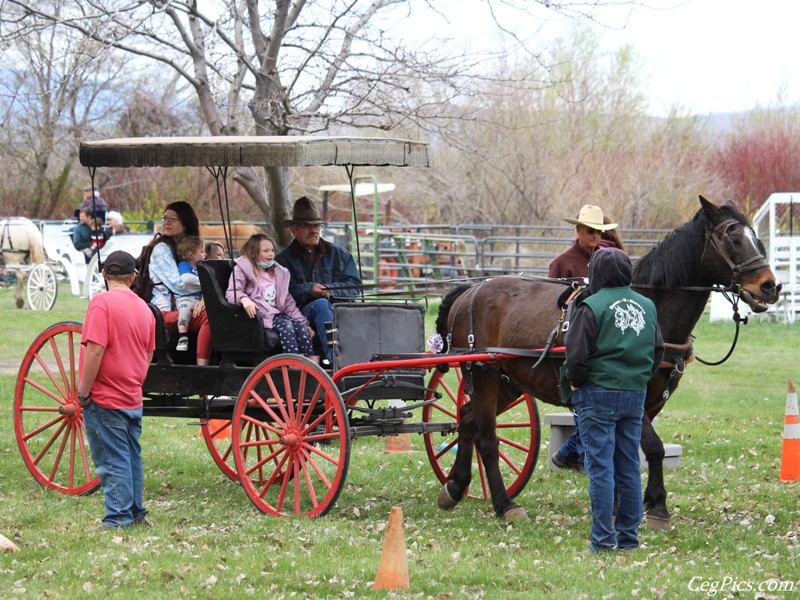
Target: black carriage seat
<point x="160" y="353"/>
<point x="367" y="329"/>
<point x="235" y="335"/>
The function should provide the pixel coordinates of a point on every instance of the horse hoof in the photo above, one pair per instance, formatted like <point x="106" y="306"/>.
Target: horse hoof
<point x="445" y="500"/>
<point x="658" y="523"/>
<point x="20" y="302"/>
<point x="516" y="515"/>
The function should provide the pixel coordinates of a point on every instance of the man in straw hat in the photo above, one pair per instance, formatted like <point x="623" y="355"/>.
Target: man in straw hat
<point x="574" y="262"/>
<point x="320" y="270"/>
<point x="589" y="227"/>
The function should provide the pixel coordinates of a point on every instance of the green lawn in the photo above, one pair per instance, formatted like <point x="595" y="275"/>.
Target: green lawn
<point x="734" y="522"/>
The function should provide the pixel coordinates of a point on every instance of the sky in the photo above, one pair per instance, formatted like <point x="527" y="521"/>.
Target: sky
<point x="704" y="56"/>
<point x="713" y="56"/>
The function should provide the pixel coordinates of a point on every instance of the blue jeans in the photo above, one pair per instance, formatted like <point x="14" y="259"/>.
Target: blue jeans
<point x="572" y="449"/>
<point x="114" y="443"/>
<point x="318" y="312"/>
<point x="611" y="427"/>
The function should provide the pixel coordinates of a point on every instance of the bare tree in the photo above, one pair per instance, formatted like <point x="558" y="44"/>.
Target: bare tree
<point x="274" y="68"/>
<point x="51" y="93"/>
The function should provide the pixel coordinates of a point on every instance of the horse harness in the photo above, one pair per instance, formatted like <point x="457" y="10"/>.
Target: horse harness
<point x="566" y="302"/>
<point x="5" y="234"/>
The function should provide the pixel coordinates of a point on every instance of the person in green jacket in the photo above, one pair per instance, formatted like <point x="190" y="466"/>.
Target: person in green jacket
<point x="613" y="346"/>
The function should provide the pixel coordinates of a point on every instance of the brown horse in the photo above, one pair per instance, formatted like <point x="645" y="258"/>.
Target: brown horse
<point x="716" y="248"/>
<point x="237" y="230"/>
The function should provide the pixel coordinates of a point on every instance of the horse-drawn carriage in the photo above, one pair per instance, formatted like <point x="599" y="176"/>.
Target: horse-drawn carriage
<point x="283" y="427"/>
<point x="23" y="264"/>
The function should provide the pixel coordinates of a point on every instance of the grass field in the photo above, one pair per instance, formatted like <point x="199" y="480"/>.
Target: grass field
<point x="736" y="528"/>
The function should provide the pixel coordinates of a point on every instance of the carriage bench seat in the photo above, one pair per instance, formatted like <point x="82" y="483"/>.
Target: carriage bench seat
<point x="233" y="332"/>
<point x="563" y="424"/>
<point x="364" y="329"/>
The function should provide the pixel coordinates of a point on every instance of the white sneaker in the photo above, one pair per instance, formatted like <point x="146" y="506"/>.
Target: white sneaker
<point x="183" y="344"/>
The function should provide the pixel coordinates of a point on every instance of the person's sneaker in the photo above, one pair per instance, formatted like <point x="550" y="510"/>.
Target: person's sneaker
<point x="183" y="344"/>
<point x="564" y="463"/>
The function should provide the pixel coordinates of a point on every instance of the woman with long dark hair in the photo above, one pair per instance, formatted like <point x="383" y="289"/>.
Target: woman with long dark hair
<point x="178" y="220"/>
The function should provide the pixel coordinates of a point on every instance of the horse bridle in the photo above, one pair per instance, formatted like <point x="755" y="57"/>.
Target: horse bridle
<point x="716" y="237"/>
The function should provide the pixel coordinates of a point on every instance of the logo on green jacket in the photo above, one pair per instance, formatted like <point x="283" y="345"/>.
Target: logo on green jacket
<point x="628" y="314"/>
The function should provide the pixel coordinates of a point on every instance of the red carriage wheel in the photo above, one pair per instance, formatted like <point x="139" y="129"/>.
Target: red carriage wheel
<point x="518" y="432"/>
<point x="291" y="437"/>
<point x="48" y="421"/>
<point x="218" y="437"/>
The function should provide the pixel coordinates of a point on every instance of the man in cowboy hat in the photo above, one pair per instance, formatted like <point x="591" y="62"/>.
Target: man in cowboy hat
<point x="574" y="262"/>
<point x="319" y="270"/>
<point x="589" y="227"/>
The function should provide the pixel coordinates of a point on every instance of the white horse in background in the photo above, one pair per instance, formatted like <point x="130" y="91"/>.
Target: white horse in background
<point x="21" y="244"/>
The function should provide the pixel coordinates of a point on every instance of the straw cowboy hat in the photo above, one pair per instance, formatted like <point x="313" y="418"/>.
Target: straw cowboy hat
<point x="592" y="217"/>
<point x="303" y="212"/>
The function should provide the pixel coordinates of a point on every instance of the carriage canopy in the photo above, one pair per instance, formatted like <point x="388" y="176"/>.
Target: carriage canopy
<point x="254" y="151"/>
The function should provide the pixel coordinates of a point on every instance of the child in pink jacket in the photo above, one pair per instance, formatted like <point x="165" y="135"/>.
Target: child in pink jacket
<point x="258" y="283"/>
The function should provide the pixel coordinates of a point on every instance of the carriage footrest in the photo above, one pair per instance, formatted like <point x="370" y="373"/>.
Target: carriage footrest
<point x="562" y="425"/>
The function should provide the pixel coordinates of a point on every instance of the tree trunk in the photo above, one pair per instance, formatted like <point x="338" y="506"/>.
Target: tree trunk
<point x="280" y="197"/>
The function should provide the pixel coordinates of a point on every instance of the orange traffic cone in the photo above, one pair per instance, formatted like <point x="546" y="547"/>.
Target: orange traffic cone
<point x="215" y="427"/>
<point x="393" y="567"/>
<point x="398" y="443"/>
<point x="790" y="461"/>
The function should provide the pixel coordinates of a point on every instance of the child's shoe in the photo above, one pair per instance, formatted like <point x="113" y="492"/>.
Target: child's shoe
<point x="183" y="344"/>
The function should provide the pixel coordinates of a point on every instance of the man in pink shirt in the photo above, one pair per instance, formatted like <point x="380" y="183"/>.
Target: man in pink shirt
<point x="116" y="347"/>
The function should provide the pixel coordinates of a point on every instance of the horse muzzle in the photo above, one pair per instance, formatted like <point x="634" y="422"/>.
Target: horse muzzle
<point x="761" y="294"/>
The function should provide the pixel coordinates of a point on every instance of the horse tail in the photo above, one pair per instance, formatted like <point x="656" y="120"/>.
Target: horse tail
<point x="444" y="311"/>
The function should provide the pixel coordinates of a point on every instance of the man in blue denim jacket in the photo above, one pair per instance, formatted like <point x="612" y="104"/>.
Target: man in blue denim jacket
<point x="319" y="270"/>
<point x="614" y="346"/>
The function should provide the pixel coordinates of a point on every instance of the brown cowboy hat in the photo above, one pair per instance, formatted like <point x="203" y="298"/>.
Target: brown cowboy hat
<point x="592" y="217"/>
<point x="303" y="212"/>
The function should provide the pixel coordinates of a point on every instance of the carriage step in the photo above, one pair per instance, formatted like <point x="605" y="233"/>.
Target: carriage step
<point x="563" y="424"/>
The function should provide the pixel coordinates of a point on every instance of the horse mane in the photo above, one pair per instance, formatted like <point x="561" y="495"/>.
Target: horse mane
<point x="676" y="258"/>
<point x="444" y="311"/>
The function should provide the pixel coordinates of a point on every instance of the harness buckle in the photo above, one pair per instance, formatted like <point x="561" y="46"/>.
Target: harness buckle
<point x="471" y="341"/>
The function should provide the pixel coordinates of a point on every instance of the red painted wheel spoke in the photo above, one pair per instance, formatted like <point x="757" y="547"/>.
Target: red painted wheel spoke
<point x="506" y="459"/>
<point x="284" y="416"/>
<point x="309" y="485"/>
<point x="48" y="425"/>
<point x="289" y="401"/>
<point x="50" y="442"/>
<point x="264" y="460"/>
<point x="37" y="386"/>
<point x="59" y="453"/>
<point x="513" y="444"/>
<point x="445" y="411"/>
<point x="318" y="471"/>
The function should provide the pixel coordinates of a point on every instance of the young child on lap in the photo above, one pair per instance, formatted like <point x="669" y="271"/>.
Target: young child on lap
<point x="190" y="251"/>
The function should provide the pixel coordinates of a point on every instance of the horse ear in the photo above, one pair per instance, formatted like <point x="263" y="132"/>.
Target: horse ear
<point x="708" y="207"/>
